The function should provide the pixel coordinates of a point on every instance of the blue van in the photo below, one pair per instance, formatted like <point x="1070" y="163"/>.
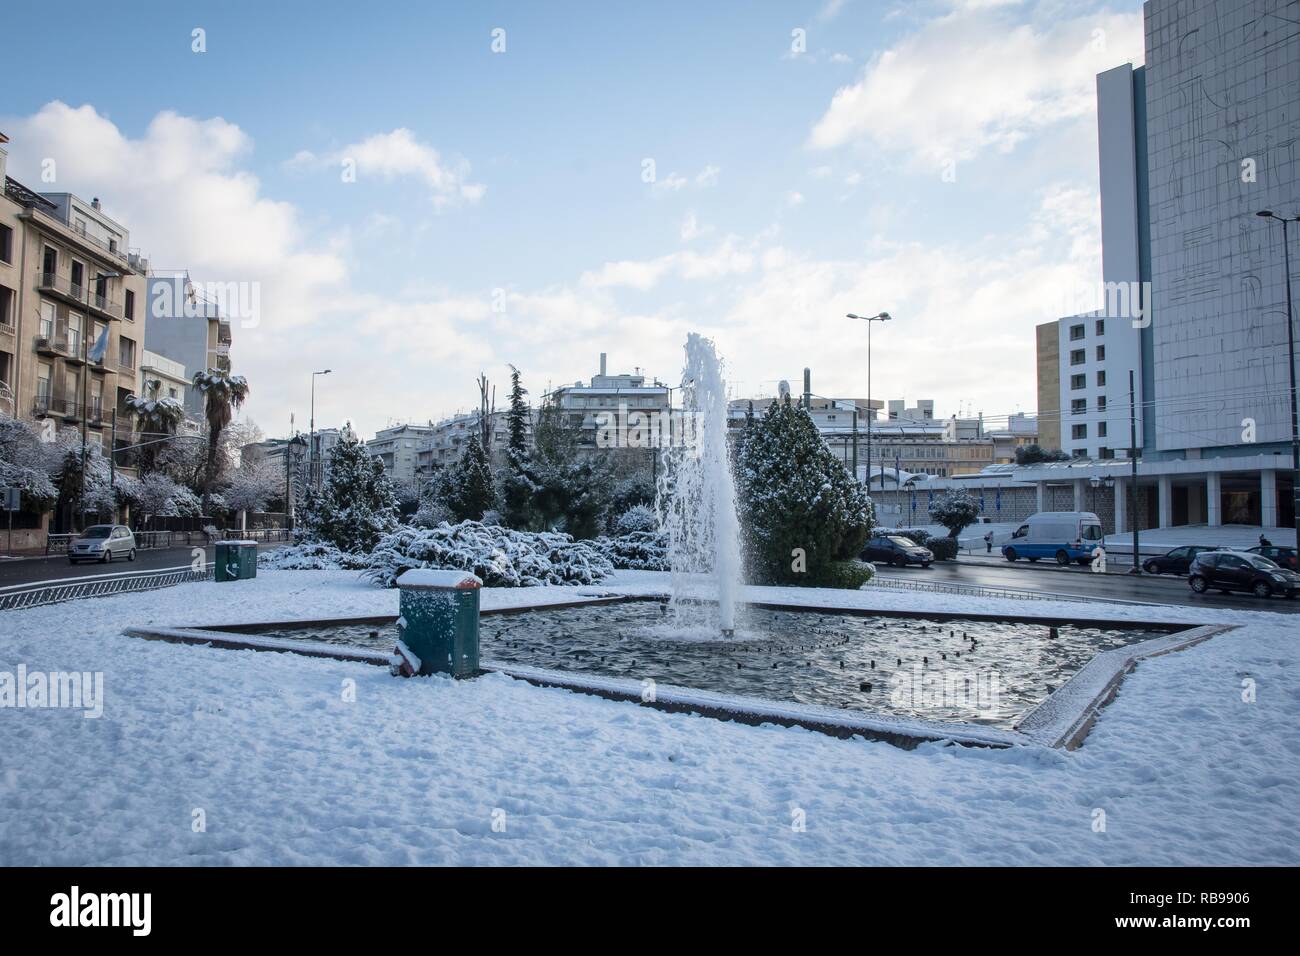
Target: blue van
<point x="1063" y="535"/>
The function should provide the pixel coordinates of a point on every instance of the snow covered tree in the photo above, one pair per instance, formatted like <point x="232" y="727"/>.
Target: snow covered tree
<point x="252" y="488"/>
<point x="355" y="506"/>
<point x="467" y="486"/>
<point x="517" y="480"/>
<point x="800" y="510"/>
<point x="24" y="464"/>
<point x="955" y="510"/>
<point x="222" y="394"/>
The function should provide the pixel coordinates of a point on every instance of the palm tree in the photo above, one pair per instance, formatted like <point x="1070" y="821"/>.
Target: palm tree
<point x="157" y="419"/>
<point x="223" y="393"/>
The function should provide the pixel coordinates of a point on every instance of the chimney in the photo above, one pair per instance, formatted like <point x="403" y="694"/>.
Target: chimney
<point x="602" y="363"/>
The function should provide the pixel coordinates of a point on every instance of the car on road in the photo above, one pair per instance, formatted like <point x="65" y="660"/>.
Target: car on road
<point x="102" y="542"/>
<point x="896" y="550"/>
<point x="1286" y="557"/>
<point x="1063" y="535"/>
<point x="1228" y="571"/>
<point x="1177" y="561"/>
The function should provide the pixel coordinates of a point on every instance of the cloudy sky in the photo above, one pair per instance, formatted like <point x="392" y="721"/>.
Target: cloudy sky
<point x="427" y="193"/>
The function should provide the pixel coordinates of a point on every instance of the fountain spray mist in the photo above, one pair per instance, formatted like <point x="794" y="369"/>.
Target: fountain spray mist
<point x="697" y="499"/>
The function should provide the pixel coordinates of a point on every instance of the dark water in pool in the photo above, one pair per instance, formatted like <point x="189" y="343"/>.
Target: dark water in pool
<point x="975" y="672"/>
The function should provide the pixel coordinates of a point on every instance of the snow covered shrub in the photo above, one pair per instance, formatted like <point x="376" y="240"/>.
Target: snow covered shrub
<point x="636" y="518"/>
<point x="943" y="549"/>
<point x="502" y="557"/>
<point x="845" y="574"/>
<point x="636" y="551"/>
<point x="355" y="506"/>
<point x="313" y="556"/>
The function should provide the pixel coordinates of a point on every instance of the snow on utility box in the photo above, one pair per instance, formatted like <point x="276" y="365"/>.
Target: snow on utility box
<point x="236" y="560"/>
<point x="439" y="621"/>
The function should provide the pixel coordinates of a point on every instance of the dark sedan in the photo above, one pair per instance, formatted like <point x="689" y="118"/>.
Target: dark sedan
<point x="1177" y="561"/>
<point x="1241" y="571"/>
<point x="896" y="550"/>
<point x="1284" y="556"/>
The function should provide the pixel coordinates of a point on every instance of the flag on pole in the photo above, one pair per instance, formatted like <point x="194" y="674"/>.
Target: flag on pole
<point x="100" y="348"/>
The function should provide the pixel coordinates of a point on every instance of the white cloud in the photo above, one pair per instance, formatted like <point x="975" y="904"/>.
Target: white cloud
<point x="974" y="79"/>
<point x="794" y="198"/>
<point x="399" y="154"/>
<point x="726" y="258"/>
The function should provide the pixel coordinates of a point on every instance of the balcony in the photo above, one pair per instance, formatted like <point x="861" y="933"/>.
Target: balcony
<point x="55" y="348"/>
<point x="105" y="306"/>
<point x="55" y="284"/>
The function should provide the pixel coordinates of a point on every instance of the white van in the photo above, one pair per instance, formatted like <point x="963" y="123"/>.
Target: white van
<point x="1064" y="535"/>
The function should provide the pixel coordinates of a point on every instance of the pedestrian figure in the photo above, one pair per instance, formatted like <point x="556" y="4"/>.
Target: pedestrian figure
<point x="988" y="542"/>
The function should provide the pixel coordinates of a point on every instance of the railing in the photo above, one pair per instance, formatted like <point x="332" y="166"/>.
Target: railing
<point x="970" y="590"/>
<point x="103" y="304"/>
<point x="144" y="540"/>
<point x="47" y="343"/>
<point x="99" y="585"/>
<point x="257" y="534"/>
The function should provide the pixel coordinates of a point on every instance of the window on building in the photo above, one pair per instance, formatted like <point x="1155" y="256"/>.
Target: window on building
<point x="1078" y="406"/>
<point x="125" y="352"/>
<point x="1101" y="429"/>
<point x="128" y="308"/>
<point x="1079" y="432"/>
<point x="44" y="382"/>
<point x="1101" y="403"/>
<point x="1076" y="332"/>
<point x="1101" y="379"/>
<point x="1101" y="353"/>
<point x="47" y="320"/>
<point x="49" y="264"/>
<point x="1101" y="327"/>
<point x="1078" y="357"/>
<point x="6" y="305"/>
<point x="1078" y="381"/>
<point x="1078" y="453"/>
<point x="6" y="369"/>
<point x="6" y="244"/>
<point x="74" y="334"/>
<point x="1104" y="452"/>
<point x="78" y="277"/>
<point x="96" y="397"/>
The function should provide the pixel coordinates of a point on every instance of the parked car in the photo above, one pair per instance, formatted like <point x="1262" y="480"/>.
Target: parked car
<point x="1177" y="561"/>
<point x="896" y="550"/>
<point x="1286" y="557"/>
<point x="1064" y="535"/>
<point x="102" y="542"/>
<point x="1241" y="571"/>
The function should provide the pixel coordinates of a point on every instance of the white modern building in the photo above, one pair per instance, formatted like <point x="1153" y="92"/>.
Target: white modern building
<point x="1192" y="146"/>
<point x="398" y="448"/>
<point x="625" y="393"/>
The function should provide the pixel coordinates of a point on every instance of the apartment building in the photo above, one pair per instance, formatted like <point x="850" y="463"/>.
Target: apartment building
<point x="68" y="282"/>
<point x="187" y="327"/>
<point x="588" y="406"/>
<point x="398" y="448"/>
<point x="170" y="377"/>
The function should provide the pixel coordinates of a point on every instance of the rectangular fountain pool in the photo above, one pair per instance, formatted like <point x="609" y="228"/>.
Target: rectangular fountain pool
<point x="977" y="672"/>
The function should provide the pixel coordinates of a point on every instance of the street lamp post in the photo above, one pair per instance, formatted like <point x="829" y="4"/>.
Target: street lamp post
<point x="879" y="317"/>
<point x="311" y="449"/>
<point x="1290" y="365"/>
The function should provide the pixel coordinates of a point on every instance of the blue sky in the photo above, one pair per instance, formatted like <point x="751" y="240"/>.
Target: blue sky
<point x="935" y="159"/>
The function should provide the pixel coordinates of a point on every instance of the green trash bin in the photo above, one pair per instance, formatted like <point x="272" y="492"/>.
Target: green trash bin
<point x="439" y="622"/>
<point x="236" y="560"/>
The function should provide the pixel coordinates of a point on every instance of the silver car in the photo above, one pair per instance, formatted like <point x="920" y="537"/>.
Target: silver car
<point x="103" y="542"/>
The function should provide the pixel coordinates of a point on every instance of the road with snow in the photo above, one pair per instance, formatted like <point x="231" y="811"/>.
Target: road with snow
<point x="1051" y="579"/>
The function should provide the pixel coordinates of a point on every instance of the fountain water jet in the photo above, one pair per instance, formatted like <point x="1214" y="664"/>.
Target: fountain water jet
<point x="697" y="500"/>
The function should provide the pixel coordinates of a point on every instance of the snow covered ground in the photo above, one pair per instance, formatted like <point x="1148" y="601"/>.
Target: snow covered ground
<point x="282" y="765"/>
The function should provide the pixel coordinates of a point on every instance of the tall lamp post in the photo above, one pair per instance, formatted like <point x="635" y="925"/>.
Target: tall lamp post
<point x="879" y="317"/>
<point x="1290" y="365"/>
<point x="311" y="449"/>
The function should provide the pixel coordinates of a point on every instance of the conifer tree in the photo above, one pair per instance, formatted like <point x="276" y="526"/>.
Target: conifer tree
<point x="468" y="489"/>
<point x="356" y="504"/>
<point x="518" y="483"/>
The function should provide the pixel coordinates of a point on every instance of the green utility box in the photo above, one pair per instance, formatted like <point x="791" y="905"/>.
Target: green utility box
<point x="236" y="560"/>
<point x="439" y="622"/>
